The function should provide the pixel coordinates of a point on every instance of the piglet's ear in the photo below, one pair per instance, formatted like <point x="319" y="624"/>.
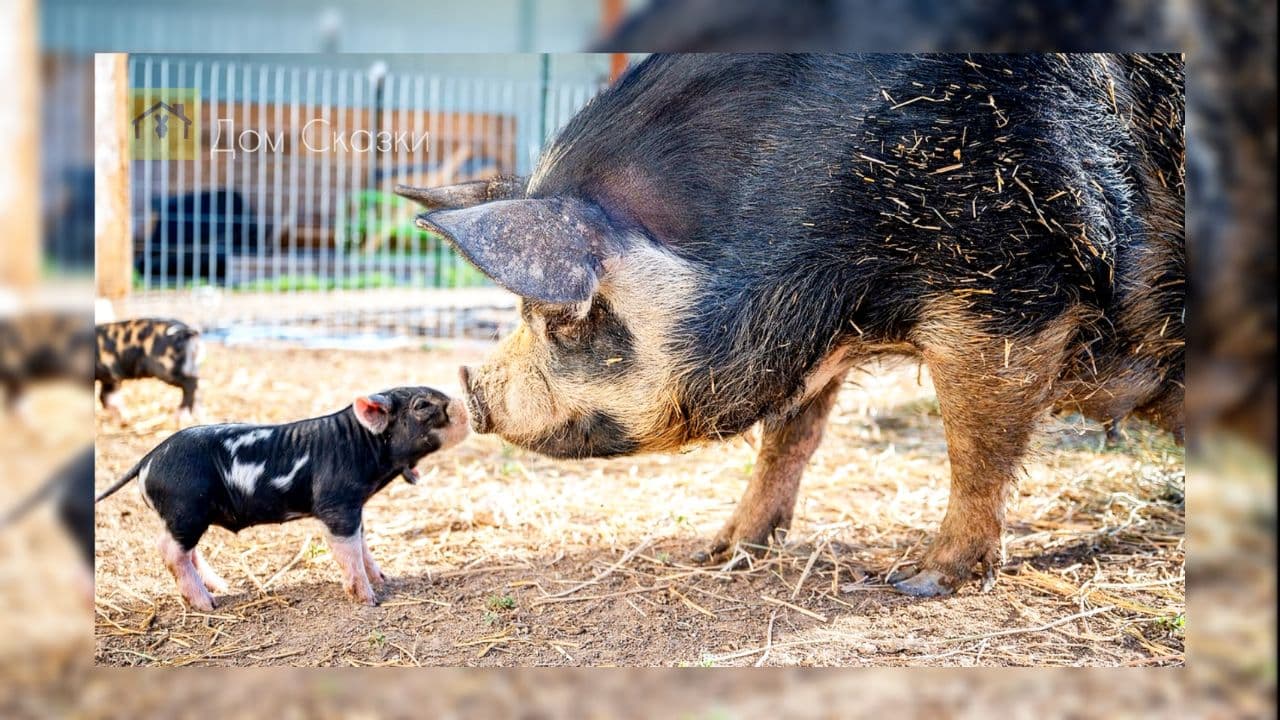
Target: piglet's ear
<point x="373" y="412"/>
<point x="551" y="250"/>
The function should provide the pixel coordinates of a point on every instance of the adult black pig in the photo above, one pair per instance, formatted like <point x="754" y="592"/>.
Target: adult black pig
<point x="717" y="239"/>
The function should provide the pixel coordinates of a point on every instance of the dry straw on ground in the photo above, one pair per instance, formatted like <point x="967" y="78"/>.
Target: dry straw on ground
<point x="503" y="557"/>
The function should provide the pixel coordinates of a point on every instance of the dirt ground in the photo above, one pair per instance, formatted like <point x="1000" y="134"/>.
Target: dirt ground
<point x="502" y="557"/>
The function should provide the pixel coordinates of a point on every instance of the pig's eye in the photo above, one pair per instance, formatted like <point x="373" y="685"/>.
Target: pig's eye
<point x="564" y="332"/>
<point x="419" y="405"/>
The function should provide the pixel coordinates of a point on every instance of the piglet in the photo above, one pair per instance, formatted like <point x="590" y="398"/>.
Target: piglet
<point x="167" y="350"/>
<point x="235" y="476"/>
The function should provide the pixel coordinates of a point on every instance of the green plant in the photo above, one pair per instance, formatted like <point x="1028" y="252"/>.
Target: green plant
<point x="500" y="602"/>
<point x="1174" y="624"/>
<point x="372" y="214"/>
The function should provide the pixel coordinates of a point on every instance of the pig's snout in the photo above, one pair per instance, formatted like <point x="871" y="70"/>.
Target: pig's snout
<point x="481" y="422"/>
<point x="456" y="426"/>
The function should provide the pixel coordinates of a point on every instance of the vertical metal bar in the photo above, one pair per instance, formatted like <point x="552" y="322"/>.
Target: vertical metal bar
<point x="310" y="189"/>
<point x="260" y="91"/>
<point x="166" y="192"/>
<point x="433" y="161"/>
<point x="295" y="187"/>
<point x="419" y="127"/>
<point x="451" y="119"/>
<point x="245" y="100"/>
<point x="197" y="222"/>
<point x="327" y="180"/>
<point x="383" y="161"/>
<point x="147" y="179"/>
<point x="180" y="194"/>
<point x="216" y="182"/>
<point x="401" y="161"/>
<point x="508" y="128"/>
<point x="340" y="201"/>
<point x="278" y="186"/>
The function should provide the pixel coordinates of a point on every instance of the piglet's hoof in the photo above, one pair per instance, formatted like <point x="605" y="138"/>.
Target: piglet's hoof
<point x="202" y="604"/>
<point x="362" y="597"/>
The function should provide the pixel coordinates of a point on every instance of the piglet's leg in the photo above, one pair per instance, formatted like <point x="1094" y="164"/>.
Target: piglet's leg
<point x="212" y="580"/>
<point x="349" y="552"/>
<point x="371" y="569"/>
<point x="179" y="562"/>
<point x="187" y="409"/>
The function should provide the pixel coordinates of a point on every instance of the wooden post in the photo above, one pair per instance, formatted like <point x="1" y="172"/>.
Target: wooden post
<point x="611" y="17"/>
<point x="19" y="127"/>
<point x="112" y="224"/>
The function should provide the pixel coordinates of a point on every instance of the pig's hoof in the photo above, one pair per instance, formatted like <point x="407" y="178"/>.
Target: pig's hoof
<point x="202" y="604"/>
<point x="733" y="555"/>
<point x="378" y="580"/>
<point x="925" y="583"/>
<point x="935" y="579"/>
<point x="363" y="597"/>
<point x="738" y="538"/>
<point x="705" y="557"/>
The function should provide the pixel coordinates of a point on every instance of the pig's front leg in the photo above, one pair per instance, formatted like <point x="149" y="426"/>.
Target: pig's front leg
<point x="991" y="392"/>
<point x="346" y="542"/>
<point x="784" y="451"/>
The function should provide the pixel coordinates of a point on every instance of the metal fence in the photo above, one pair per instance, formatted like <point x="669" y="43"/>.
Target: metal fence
<point x="284" y="222"/>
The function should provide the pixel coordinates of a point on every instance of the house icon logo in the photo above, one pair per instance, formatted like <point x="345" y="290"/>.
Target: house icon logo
<point x="160" y="114"/>
<point x="166" y="123"/>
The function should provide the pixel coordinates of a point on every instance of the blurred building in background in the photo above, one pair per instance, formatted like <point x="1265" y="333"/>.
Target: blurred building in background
<point x="392" y="43"/>
<point x="283" y="217"/>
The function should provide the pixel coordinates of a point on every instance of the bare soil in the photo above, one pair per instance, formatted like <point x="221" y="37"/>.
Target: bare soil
<point x="502" y="557"/>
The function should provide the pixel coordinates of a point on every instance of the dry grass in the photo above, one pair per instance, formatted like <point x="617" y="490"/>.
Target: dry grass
<point x="503" y="557"/>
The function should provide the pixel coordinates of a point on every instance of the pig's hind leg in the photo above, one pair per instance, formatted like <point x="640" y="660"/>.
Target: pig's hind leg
<point x="180" y="562"/>
<point x="784" y="451"/>
<point x="109" y="396"/>
<point x="991" y="393"/>
<point x="187" y="411"/>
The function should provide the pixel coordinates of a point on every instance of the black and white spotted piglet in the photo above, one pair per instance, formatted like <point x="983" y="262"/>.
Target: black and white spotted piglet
<point x="235" y="476"/>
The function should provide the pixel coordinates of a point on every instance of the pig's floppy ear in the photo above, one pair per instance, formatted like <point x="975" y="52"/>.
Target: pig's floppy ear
<point x="467" y="194"/>
<point x="373" y="412"/>
<point x="551" y="250"/>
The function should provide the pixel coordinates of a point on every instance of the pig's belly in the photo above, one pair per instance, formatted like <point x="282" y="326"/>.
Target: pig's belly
<point x="266" y="506"/>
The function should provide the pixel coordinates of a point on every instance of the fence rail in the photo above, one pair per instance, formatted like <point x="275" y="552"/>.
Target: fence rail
<point x="286" y="214"/>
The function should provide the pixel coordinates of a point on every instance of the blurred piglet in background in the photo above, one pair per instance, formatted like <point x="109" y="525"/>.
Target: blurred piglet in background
<point x="70" y="489"/>
<point x="167" y="350"/>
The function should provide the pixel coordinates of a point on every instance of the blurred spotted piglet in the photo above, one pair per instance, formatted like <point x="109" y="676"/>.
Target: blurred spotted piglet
<point x="167" y="350"/>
